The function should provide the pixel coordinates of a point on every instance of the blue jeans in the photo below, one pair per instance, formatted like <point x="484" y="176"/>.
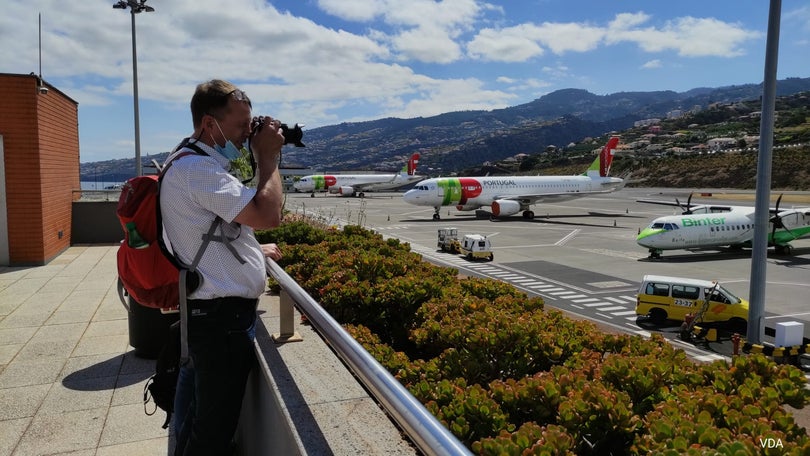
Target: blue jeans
<point x="209" y="395"/>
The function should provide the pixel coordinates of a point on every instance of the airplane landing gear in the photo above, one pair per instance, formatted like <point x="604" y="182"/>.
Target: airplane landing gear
<point x="655" y="254"/>
<point x="528" y="215"/>
<point x="783" y="249"/>
<point x="312" y="195"/>
<point x="436" y="214"/>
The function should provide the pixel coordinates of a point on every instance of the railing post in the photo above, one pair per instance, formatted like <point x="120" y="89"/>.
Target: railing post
<point x="286" y="320"/>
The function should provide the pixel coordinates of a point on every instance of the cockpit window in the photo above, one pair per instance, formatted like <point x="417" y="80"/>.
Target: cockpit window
<point x="657" y="225"/>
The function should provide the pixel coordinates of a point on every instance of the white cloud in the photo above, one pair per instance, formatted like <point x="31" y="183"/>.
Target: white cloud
<point x="566" y="37"/>
<point x="427" y="44"/>
<point x="558" y="71"/>
<point x="800" y="16"/>
<point x="687" y="36"/>
<point x="652" y="64"/>
<point x="421" y="30"/>
<point x="353" y="10"/>
<point x="451" y="95"/>
<point x="508" y="45"/>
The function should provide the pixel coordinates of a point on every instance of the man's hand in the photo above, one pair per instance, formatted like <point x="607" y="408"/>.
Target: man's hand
<point x="271" y="251"/>
<point x="267" y="140"/>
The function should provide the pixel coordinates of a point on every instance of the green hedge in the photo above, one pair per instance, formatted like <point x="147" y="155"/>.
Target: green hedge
<point x="509" y="377"/>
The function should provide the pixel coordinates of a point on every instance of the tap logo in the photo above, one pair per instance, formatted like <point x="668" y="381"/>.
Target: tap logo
<point x="324" y="182"/>
<point x="459" y="190"/>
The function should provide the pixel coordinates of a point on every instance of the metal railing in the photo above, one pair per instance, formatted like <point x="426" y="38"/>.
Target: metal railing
<point x="424" y="430"/>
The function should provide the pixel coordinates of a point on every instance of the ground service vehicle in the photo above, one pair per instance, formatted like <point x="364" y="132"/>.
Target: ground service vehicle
<point x="476" y="247"/>
<point x="448" y="240"/>
<point x="664" y="297"/>
<point x="472" y="246"/>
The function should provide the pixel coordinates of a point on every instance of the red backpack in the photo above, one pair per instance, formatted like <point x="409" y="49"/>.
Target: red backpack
<point x="146" y="268"/>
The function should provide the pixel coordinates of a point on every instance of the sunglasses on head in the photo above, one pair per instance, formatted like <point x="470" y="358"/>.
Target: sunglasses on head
<point x="239" y="95"/>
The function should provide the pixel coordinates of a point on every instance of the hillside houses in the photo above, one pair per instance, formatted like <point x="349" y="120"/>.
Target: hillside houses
<point x="722" y="128"/>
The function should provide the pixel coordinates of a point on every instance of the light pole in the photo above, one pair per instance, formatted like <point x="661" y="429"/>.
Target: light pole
<point x="135" y="7"/>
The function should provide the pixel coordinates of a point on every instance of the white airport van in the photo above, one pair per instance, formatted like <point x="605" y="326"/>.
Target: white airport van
<point x="664" y="297"/>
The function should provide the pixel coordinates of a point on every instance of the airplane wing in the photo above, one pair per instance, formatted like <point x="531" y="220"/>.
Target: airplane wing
<point x="367" y="185"/>
<point x="662" y="203"/>
<point x="550" y="197"/>
<point x="358" y="187"/>
<point x="689" y="207"/>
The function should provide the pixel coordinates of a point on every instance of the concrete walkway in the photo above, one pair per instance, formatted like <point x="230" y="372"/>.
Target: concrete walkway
<point x="69" y="382"/>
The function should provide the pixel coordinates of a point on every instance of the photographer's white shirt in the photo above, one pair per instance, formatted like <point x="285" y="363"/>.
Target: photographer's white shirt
<point x="194" y="190"/>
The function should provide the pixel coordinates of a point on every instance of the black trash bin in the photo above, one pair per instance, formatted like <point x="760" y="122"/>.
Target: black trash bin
<point x="148" y="328"/>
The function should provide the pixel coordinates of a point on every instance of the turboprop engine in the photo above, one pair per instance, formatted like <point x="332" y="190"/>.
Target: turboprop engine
<point x="505" y="207"/>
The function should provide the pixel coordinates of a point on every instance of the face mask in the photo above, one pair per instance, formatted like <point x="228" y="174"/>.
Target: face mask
<point x="229" y="150"/>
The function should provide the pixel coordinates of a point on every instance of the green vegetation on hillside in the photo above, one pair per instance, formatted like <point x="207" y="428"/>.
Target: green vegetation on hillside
<point x="676" y="152"/>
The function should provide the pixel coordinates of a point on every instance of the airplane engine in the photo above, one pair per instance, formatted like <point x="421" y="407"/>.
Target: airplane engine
<point x="346" y="191"/>
<point x="505" y="207"/>
<point x="467" y="207"/>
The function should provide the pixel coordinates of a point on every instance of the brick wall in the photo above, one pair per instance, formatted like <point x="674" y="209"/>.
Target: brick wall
<point x="41" y="135"/>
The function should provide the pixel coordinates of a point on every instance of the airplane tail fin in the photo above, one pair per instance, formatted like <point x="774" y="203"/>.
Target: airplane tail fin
<point x="601" y="165"/>
<point x="410" y="167"/>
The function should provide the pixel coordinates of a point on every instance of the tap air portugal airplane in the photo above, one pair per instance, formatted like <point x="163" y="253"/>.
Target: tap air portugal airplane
<point x="349" y="184"/>
<point x="707" y="226"/>
<point x="508" y="195"/>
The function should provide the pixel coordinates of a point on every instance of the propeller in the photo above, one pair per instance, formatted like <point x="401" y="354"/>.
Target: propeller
<point x="688" y="209"/>
<point x="776" y="221"/>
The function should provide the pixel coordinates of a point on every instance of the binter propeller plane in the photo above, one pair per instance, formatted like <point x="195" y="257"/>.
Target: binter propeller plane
<point x="508" y="195"/>
<point x="708" y="226"/>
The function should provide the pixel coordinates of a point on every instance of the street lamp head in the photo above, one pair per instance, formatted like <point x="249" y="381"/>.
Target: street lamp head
<point x="135" y="6"/>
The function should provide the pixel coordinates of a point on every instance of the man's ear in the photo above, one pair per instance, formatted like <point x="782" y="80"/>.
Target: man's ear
<point x="209" y="123"/>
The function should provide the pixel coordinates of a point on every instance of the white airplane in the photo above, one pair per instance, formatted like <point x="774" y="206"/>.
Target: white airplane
<point x="508" y="195"/>
<point x="349" y="184"/>
<point x="707" y="226"/>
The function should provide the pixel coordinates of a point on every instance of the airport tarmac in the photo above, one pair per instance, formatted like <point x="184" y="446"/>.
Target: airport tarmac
<point x="581" y="256"/>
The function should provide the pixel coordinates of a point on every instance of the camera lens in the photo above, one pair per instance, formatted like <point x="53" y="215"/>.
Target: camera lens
<point x="292" y="135"/>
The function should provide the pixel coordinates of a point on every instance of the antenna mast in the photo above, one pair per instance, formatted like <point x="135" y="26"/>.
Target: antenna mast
<point x="40" y="48"/>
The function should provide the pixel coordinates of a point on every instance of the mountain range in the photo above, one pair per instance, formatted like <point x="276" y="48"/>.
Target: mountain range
<point x="454" y="141"/>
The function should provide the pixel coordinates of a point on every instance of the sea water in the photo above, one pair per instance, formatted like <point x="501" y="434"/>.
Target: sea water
<point x="91" y="185"/>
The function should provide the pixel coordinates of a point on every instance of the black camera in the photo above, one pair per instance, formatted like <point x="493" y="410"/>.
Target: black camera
<point x="292" y="135"/>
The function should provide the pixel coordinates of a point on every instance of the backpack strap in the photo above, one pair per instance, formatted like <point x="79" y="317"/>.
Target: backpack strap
<point x="190" y="283"/>
<point x="194" y="283"/>
<point x="185" y="359"/>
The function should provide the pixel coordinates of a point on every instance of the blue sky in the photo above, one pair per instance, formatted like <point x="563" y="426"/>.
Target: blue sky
<point x="322" y="62"/>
